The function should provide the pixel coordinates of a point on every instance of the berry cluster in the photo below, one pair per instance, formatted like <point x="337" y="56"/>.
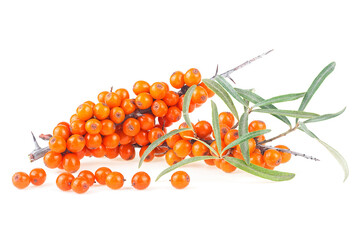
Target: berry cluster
<point x="117" y="124"/>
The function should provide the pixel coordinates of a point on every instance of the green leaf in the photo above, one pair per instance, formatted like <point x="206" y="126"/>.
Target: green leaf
<point x="245" y="137"/>
<point x="205" y="143"/>
<point x="288" y="113"/>
<point x="182" y="163"/>
<point x="324" y="117"/>
<point x="315" y="85"/>
<point x="279" y="99"/>
<point x="216" y="125"/>
<point x="186" y="105"/>
<point x="341" y="160"/>
<point x="219" y="91"/>
<point x="243" y="130"/>
<point x="227" y="86"/>
<point x="254" y="98"/>
<point x="158" y="141"/>
<point x="260" y="171"/>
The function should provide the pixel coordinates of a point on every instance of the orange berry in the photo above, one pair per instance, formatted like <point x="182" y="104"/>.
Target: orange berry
<point x="158" y="90"/>
<point x="93" y="141"/>
<point x="101" y="96"/>
<point x="74" y="117"/>
<point x="231" y="136"/>
<point x="112" y="100"/>
<point x="101" y="111"/>
<point x="78" y="127"/>
<point x="182" y="148"/>
<point x="188" y="133"/>
<point x="272" y="157"/>
<point x="84" y="112"/>
<point x="173" y="114"/>
<point x="260" y="138"/>
<point x="62" y="131"/>
<point x="101" y="174"/>
<point x="111" y="141"/>
<point x="123" y="93"/>
<point x="180" y="104"/>
<point x="177" y="80"/>
<point x="285" y="157"/>
<point x="192" y="77"/>
<point x="143" y="100"/>
<point x="147" y="121"/>
<point x="112" y="153"/>
<point x="203" y="129"/>
<point x="140" y="180"/>
<point x="155" y="134"/>
<point x="180" y="180"/>
<point x="80" y="185"/>
<point x="124" y="139"/>
<point x="65" y="124"/>
<point x="114" y="180"/>
<point x="142" y="138"/>
<point x="214" y="146"/>
<point x="210" y="162"/>
<point x="117" y="115"/>
<point x="149" y="157"/>
<point x="127" y="152"/>
<point x="256" y="125"/>
<point x="227" y="167"/>
<point x="170" y="141"/>
<point x="217" y="162"/>
<point x="37" y="176"/>
<point x="57" y="144"/>
<point x="107" y="127"/>
<point x="64" y="180"/>
<point x="128" y="105"/>
<point x="89" y="176"/>
<point x="199" y="95"/>
<point x="208" y="90"/>
<point x="257" y="159"/>
<point x="21" y="180"/>
<point x="75" y="143"/>
<point x="171" y="98"/>
<point x="227" y="118"/>
<point x="52" y="159"/>
<point x="90" y="103"/>
<point x="131" y="127"/>
<point x="141" y="87"/>
<point x="93" y="126"/>
<point x="171" y="158"/>
<point x="164" y="122"/>
<point x="199" y="149"/>
<point x="98" y="152"/>
<point x="237" y="150"/>
<point x="224" y="129"/>
<point x="71" y="162"/>
<point x="159" y="108"/>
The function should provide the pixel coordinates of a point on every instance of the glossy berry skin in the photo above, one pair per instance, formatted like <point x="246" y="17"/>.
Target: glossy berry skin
<point x="64" y="180"/>
<point x="182" y="148"/>
<point x="272" y="157"/>
<point x="101" y="96"/>
<point x="57" y="144"/>
<point x="256" y="125"/>
<point x="71" y="162"/>
<point x="203" y="129"/>
<point x="285" y="157"/>
<point x="114" y="180"/>
<point x="141" y="180"/>
<point x="77" y="127"/>
<point x="192" y="77"/>
<point x="155" y="134"/>
<point x="124" y="139"/>
<point x="84" y="112"/>
<point x="173" y="114"/>
<point x="210" y="162"/>
<point x="226" y="167"/>
<point x="147" y="121"/>
<point x="101" y="111"/>
<point x="117" y="115"/>
<point x="158" y="90"/>
<point x="171" y="158"/>
<point x="177" y="80"/>
<point x="188" y="133"/>
<point x="180" y="180"/>
<point x="128" y="105"/>
<point x="131" y="127"/>
<point x="62" y="131"/>
<point x="93" y="141"/>
<point x="107" y="127"/>
<point x="159" y="108"/>
<point x="231" y="136"/>
<point x="127" y="152"/>
<point x="144" y="100"/>
<point x="171" y="98"/>
<point x="111" y="141"/>
<point x="208" y="90"/>
<point x="199" y="95"/>
<point x="112" y="153"/>
<point x="141" y="87"/>
<point x="227" y="118"/>
<point x="101" y="174"/>
<point x="257" y="159"/>
<point x="170" y="141"/>
<point x="93" y="126"/>
<point x="75" y="143"/>
<point x="199" y="149"/>
<point x="112" y="100"/>
<point x="142" y="138"/>
<point x="80" y="185"/>
<point x="21" y="180"/>
<point x="122" y="93"/>
<point x="52" y="159"/>
<point x="98" y="152"/>
<point x="88" y="175"/>
<point x="37" y="176"/>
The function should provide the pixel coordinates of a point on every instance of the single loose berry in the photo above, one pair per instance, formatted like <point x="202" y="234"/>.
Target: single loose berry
<point x="21" y="180"/>
<point x="37" y="176"/>
<point x="114" y="180"/>
<point x="80" y="185"/>
<point x="177" y="80"/>
<point x="140" y="181"/>
<point x="101" y="174"/>
<point x="180" y="180"/>
<point x="192" y="77"/>
<point x="88" y="175"/>
<point x="64" y="180"/>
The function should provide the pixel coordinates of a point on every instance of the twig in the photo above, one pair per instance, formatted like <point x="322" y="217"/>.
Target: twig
<point x="264" y="148"/>
<point x="281" y="135"/>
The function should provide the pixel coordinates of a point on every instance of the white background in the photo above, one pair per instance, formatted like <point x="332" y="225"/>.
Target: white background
<point x="54" y="55"/>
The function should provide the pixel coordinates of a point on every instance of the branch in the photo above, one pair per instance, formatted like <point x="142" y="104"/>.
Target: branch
<point x="264" y="148"/>
<point x="281" y="135"/>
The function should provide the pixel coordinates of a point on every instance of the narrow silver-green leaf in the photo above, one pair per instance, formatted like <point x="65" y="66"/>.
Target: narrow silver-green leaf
<point x="288" y="113"/>
<point x="182" y="163"/>
<point x="205" y="143"/>
<point x="324" y="117"/>
<point x="220" y="92"/>
<point x="245" y="137"/>
<point x="341" y="160"/>
<point x="186" y="105"/>
<point x="315" y="85"/>
<point x="216" y="125"/>
<point x="227" y="86"/>
<point x="254" y="98"/>
<point x="259" y="171"/>
<point x="279" y="99"/>
<point x="243" y="130"/>
<point x="158" y="141"/>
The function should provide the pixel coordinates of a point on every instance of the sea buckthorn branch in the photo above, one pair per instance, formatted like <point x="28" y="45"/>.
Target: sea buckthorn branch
<point x="263" y="148"/>
<point x="281" y="135"/>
